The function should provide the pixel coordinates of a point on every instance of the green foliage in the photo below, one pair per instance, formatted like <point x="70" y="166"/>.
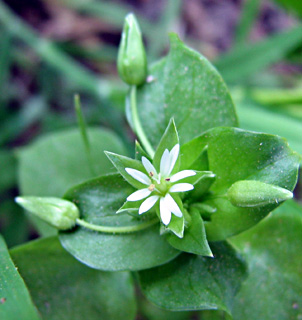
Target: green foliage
<point x="65" y="289"/>
<point x="15" y="300"/>
<point x="192" y="282"/>
<point x="272" y="250"/>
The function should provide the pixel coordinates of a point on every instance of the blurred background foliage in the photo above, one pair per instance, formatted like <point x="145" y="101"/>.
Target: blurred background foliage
<point x="52" y="49"/>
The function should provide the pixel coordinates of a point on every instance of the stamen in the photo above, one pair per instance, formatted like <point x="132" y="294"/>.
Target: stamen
<point x="167" y="179"/>
<point x="151" y="174"/>
<point x="151" y="187"/>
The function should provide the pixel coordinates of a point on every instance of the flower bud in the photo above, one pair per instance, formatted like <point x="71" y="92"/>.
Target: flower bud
<point x="132" y="61"/>
<point x="59" y="213"/>
<point x="251" y="193"/>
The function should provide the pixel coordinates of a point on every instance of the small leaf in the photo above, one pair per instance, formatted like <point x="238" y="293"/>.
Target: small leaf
<point x="15" y="301"/>
<point x="194" y="240"/>
<point x="192" y="282"/>
<point x="65" y="289"/>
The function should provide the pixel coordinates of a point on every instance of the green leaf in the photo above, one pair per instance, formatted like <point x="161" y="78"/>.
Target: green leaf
<point x="140" y="152"/>
<point x="194" y="240"/>
<point x="98" y="200"/>
<point x="56" y="162"/>
<point x="235" y="155"/>
<point x="192" y="282"/>
<point x="185" y="87"/>
<point x="122" y="162"/>
<point x="15" y="301"/>
<point x="168" y="141"/>
<point x="65" y="289"/>
<point x="272" y="249"/>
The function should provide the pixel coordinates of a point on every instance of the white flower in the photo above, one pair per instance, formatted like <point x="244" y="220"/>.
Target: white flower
<point x="160" y="185"/>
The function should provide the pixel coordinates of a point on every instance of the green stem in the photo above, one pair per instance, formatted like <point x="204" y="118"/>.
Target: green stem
<point x="126" y="229"/>
<point x="137" y="124"/>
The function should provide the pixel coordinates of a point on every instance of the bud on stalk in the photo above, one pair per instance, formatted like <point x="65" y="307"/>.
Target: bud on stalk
<point x="251" y="193"/>
<point x="132" y="61"/>
<point x="59" y="213"/>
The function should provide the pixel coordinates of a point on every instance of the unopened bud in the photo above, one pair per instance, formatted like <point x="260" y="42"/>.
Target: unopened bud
<point x="251" y="193"/>
<point x="132" y="61"/>
<point x="59" y="213"/>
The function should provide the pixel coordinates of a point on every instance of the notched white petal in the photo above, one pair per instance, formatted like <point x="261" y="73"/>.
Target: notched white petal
<point x="181" y="187"/>
<point x="165" y="163"/>
<point x="182" y="174"/>
<point x="172" y="205"/>
<point x="138" y="175"/>
<point x="173" y="158"/>
<point x="147" y="204"/>
<point x="149" y="166"/>
<point x="139" y="195"/>
<point x="165" y="213"/>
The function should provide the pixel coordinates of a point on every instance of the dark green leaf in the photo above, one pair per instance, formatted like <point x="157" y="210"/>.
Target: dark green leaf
<point x="65" y="289"/>
<point x="185" y="87"/>
<point x="15" y="301"/>
<point x="192" y="282"/>
<point x="234" y="155"/>
<point x="194" y="240"/>
<point x="273" y="250"/>
<point x="56" y="162"/>
<point x="98" y="201"/>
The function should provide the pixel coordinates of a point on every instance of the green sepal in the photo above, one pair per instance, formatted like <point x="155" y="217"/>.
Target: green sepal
<point x="177" y="224"/>
<point x="194" y="240"/>
<point x="168" y="141"/>
<point x="140" y="152"/>
<point x="250" y="193"/>
<point x="131" y="207"/>
<point x="122" y="162"/>
<point x="202" y="186"/>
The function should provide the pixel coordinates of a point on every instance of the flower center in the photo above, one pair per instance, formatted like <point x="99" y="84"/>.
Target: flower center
<point x="160" y="185"/>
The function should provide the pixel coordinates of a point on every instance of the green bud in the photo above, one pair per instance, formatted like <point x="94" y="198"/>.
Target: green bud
<point x="59" y="213"/>
<point x="132" y="61"/>
<point x="251" y="193"/>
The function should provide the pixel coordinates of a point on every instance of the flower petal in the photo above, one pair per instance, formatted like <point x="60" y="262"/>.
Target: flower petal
<point x="173" y="157"/>
<point x="165" y="213"/>
<point x="138" y="175"/>
<point x="172" y="205"/>
<point x="147" y="204"/>
<point x="181" y="187"/>
<point x="149" y="166"/>
<point x="182" y="174"/>
<point x="165" y="163"/>
<point x="139" y="195"/>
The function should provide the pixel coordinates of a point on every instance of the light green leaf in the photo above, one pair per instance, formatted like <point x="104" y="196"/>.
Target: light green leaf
<point x="235" y="155"/>
<point x="185" y="87"/>
<point x="65" y="289"/>
<point x="98" y="200"/>
<point x="15" y="301"/>
<point x="57" y="161"/>
<point x="273" y="250"/>
<point x="194" y="240"/>
<point x="192" y="282"/>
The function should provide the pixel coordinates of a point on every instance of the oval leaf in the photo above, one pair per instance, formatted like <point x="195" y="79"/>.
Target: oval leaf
<point x="188" y="88"/>
<point x="98" y="201"/>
